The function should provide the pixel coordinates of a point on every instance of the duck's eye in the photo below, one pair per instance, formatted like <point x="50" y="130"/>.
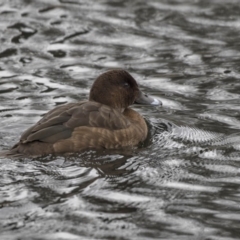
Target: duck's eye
<point x="126" y="85"/>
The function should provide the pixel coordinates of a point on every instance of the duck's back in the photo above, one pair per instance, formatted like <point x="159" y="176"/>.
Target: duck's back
<point x="78" y="126"/>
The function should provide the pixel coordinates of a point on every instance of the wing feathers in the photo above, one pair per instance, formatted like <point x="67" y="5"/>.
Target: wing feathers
<point x="61" y="122"/>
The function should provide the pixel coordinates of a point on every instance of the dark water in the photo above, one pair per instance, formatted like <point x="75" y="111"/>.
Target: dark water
<point x="184" y="183"/>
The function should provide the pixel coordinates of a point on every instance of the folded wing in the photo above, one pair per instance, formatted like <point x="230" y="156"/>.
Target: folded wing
<point x="60" y="122"/>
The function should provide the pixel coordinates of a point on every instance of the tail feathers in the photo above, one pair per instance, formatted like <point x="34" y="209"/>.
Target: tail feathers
<point x="12" y="153"/>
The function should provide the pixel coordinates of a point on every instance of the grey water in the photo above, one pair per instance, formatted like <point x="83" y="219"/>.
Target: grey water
<point x="184" y="181"/>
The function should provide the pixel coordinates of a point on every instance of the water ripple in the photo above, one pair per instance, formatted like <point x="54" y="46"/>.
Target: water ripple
<point x="183" y="182"/>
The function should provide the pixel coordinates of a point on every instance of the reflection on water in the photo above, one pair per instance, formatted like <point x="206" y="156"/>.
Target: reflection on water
<point x="183" y="183"/>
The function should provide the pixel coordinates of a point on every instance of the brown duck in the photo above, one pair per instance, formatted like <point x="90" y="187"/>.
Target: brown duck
<point x="105" y="121"/>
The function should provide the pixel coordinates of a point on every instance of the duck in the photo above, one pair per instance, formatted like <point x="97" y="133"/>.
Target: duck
<point x="104" y="121"/>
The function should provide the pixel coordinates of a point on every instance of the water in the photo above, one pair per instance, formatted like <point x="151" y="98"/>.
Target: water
<point x="183" y="183"/>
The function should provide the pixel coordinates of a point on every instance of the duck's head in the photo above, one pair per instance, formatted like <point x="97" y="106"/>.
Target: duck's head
<point x="118" y="89"/>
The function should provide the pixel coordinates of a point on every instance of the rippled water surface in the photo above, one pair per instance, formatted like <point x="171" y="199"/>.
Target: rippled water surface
<point x="183" y="183"/>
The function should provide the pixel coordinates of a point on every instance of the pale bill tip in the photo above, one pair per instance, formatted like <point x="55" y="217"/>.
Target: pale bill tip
<point x="156" y="102"/>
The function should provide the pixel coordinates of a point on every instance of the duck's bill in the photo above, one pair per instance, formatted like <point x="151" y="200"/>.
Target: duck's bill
<point x="147" y="100"/>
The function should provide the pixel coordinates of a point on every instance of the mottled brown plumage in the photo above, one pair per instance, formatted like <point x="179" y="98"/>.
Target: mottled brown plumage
<point x="103" y="122"/>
